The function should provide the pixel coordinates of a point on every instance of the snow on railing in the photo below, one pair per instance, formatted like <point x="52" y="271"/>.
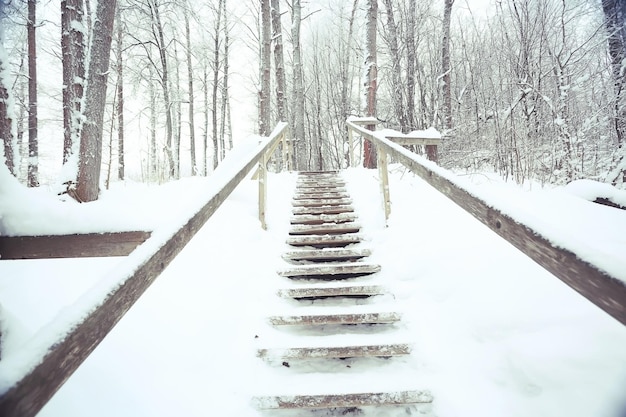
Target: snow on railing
<point x="597" y="285"/>
<point x="31" y="377"/>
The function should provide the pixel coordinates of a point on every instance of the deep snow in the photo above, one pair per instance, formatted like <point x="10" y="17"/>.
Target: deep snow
<point x="493" y="334"/>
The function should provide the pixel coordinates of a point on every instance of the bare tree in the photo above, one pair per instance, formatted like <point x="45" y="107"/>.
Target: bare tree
<point x="6" y="118"/>
<point x="87" y="187"/>
<point x="33" y="144"/>
<point x="192" y="127"/>
<point x="301" y="149"/>
<point x="266" y="57"/>
<point x="445" y="66"/>
<point x="120" y="93"/>
<point x="216" y="75"/>
<point x="279" y="61"/>
<point x="371" y="78"/>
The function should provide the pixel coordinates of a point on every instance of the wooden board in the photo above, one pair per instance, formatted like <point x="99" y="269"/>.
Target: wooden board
<point x="325" y="241"/>
<point x="323" y="218"/>
<point x="326" y="292"/>
<point x="317" y="190"/>
<point x="325" y="229"/>
<point x="322" y="202"/>
<point x="322" y="210"/>
<point x="343" y="400"/>
<point x="327" y="255"/>
<point x="323" y="319"/>
<point x="330" y="271"/>
<point x="71" y="246"/>
<point x="326" y="195"/>
<point x="332" y="352"/>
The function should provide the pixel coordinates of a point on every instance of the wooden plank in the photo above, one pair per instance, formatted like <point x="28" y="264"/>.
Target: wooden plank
<point x="324" y="319"/>
<point x="325" y="241"/>
<point x="323" y="218"/>
<point x="322" y="202"/>
<point x="54" y="366"/>
<point x="325" y="229"/>
<point x="329" y="195"/>
<point x="71" y="246"/>
<point x="327" y="254"/>
<point x="327" y="292"/>
<point x="317" y="190"/>
<point x="330" y="271"/>
<point x="343" y="400"/>
<point x="407" y="140"/>
<point x="322" y="210"/>
<point x="336" y="352"/>
<point x="604" y="290"/>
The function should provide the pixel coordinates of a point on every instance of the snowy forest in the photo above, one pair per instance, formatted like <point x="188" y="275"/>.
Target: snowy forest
<point x="150" y="90"/>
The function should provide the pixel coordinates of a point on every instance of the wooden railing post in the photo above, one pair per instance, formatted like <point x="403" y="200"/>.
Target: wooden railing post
<point x="262" y="189"/>
<point x="351" y="146"/>
<point x="384" y="181"/>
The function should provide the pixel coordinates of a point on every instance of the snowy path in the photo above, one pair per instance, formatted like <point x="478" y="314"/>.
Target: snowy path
<point x="493" y="334"/>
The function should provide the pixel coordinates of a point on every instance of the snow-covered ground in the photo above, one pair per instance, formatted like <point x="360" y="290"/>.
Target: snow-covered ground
<point x="493" y="334"/>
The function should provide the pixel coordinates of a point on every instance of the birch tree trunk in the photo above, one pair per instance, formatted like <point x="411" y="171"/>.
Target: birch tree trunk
<point x="396" y="68"/>
<point x="192" y="127"/>
<point x="33" y="144"/>
<point x="226" y="129"/>
<point x="266" y="58"/>
<point x="371" y="79"/>
<point x="301" y="154"/>
<point x="6" y="118"/>
<point x="120" y="95"/>
<point x="90" y="158"/>
<point x="445" y="66"/>
<point x="279" y="61"/>
<point x="216" y="76"/>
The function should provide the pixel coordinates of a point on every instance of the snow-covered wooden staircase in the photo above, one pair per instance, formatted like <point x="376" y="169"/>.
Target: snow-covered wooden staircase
<point x="323" y="271"/>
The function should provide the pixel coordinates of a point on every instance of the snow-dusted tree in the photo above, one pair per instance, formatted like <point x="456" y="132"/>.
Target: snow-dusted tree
<point x="445" y="66"/>
<point x="615" y="21"/>
<point x="119" y="49"/>
<point x="371" y="78"/>
<point x="279" y="61"/>
<point x="214" y="97"/>
<point x="301" y="149"/>
<point x="265" y="69"/>
<point x="73" y="62"/>
<point x="7" y="125"/>
<point x="397" y="87"/>
<point x="87" y="187"/>
<point x="192" y="126"/>
<point x="33" y="144"/>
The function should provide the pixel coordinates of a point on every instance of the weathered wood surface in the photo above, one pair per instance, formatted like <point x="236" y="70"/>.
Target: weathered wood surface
<point x="323" y="218"/>
<point x="327" y="292"/>
<point x="320" y="190"/>
<point x="325" y="241"/>
<point x="333" y="352"/>
<point x="322" y="202"/>
<point x="408" y="140"/>
<point x="31" y="392"/>
<point x="343" y="400"/>
<point x="604" y="290"/>
<point x="71" y="246"/>
<point x="326" y="195"/>
<point x="326" y="255"/>
<point x="330" y="271"/>
<point x="323" y="319"/>
<point x="322" y="210"/>
<point x="325" y="229"/>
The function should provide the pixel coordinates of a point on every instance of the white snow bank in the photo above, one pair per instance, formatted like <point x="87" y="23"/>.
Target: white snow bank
<point x="592" y="190"/>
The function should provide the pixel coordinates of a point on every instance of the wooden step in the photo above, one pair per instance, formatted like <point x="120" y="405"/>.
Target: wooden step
<point x="320" y="182"/>
<point x="320" y="190"/>
<point x="326" y="255"/>
<point x="325" y="229"/>
<point x="325" y="241"/>
<point x="334" y="352"/>
<point x="330" y="272"/>
<point x="323" y="218"/>
<point x="324" y="319"/>
<point x="342" y="400"/>
<point x="321" y="202"/>
<point x="322" y="210"/>
<point x="320" y="196"/>
<point x="354" y="291"/>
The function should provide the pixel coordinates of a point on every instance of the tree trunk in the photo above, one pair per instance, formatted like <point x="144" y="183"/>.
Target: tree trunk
<point x="615" y="21"/>
<point x="266" y="58"/>
<point x="371" y="75"/>
<point x="445" y="66"/>
<point x="396" y="68"/>
<point x="226" y="130"/>
<point x="33" y="144"/>
<point x="302" y="156"/>
<point x="279" y="61"/>
<point x="87" y="187"/>
<point x="205" y="79"/>
<point x="73" y="61"/>
<point x="192" y="127"/>
<point x="216" y="74"/>
<point x="6" y="118"/>
<point x="411" y="56"/>
<point x="120" y="96"/>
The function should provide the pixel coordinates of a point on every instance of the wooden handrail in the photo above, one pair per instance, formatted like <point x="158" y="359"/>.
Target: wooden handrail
<point x="595" y="284"/>
<point x="24" y="395"/>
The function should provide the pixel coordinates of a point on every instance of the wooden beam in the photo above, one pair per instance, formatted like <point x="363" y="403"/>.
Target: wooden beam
<point x="343" y="400"/>
<point x="26" y="396"/>
<point x="595" y="284"/>
<point x="71" y="246"/>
